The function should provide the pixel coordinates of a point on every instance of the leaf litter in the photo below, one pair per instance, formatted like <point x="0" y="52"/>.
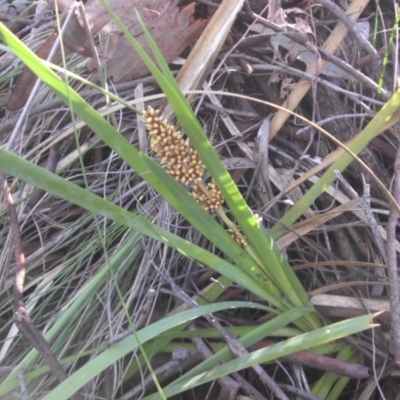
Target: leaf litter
<point x="119" y="59"/>
<point x="336" y="235"/>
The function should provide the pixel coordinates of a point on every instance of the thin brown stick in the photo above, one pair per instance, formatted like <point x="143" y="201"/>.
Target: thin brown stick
<point x="325" y="55"/>
<point x="21" y="315"/>
<point x="239" y="350"/>
<point x="298" y="392"/>
<point x="394" y="290"/>
<point x="351" y="27"/>
<point x="178" y="360"/>
<point x="236" y="347"/>
<point x="321" y="362"/>
<point x="365" y="204"/>
<point x="229" y="386"/>
<point x="250" y="390"/>
<point x="108" y="383"/>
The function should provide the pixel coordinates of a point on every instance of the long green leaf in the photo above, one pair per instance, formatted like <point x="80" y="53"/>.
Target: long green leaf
<point x="356" y="146"/>
<point x="71" y="313"/>
<point x="298" y="343"/>
<point x="173" y="192"/>
<point x="256" y="334"/>
<point x="12" y="164"/>
<point x="95" y="366"/>
<point x="273" y="261"/>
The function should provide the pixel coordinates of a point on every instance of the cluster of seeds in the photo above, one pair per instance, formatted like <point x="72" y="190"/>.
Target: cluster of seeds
<point x="211" y="200"/>
<point x="181" y="160"/>
<point x="238" y="237"/>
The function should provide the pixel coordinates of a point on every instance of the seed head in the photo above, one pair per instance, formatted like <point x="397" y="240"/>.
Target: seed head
<point x="238" y="237"/>
<point x="211" y="198"/>
<point x="182" y="161"/>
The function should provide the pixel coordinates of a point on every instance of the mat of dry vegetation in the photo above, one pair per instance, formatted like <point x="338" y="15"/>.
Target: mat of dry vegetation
<point x="292" y="82"/>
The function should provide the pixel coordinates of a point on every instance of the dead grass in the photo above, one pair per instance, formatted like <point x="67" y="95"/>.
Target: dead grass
<point x="334" y="248"/>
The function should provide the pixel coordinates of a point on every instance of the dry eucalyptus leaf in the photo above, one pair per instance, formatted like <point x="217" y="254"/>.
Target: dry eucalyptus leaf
<point x="73" y="41"/>
<point x="11" y="12"/>
<point x="173" y="30"/>
<point x="299" y="52"/>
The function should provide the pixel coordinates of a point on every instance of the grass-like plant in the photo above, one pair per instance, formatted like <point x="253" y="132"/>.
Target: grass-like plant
<point x="250" y="258"/>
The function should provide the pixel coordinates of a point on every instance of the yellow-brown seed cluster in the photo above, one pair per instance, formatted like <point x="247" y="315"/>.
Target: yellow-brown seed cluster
<point x="238" y="237"/>
<point x="181" y="160"/>
<point x="210" y="201"/>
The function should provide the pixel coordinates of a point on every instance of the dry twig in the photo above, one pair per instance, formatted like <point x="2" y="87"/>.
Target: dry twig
<point x="394" y="282"/>
<point x="236" y="347"/>
<point x="21" y="315"/>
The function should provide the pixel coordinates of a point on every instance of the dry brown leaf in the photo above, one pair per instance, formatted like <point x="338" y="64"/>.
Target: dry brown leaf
<point x="11" y="13"/>
<point x="172" y="29"/>
<point x="73" y="41"/>
<point x="27" y="79"/>
<point x="302" y="228"/>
